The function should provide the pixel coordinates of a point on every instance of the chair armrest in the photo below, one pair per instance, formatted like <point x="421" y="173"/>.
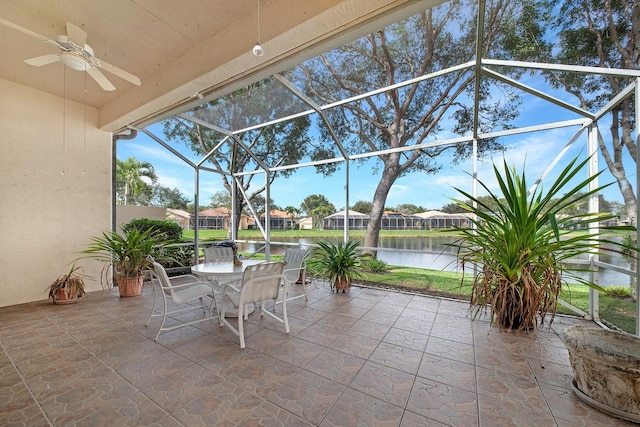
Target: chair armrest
<point x="198" y="282"/>
<point x="182" y="276"/>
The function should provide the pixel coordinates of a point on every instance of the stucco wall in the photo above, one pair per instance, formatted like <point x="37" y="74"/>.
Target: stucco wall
<point x="47" y="217"/>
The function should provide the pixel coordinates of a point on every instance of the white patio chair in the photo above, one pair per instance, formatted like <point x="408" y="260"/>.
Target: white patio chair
<point x="180" y="290"/>
<point x="218" y="254"/>
<point x="294" y="268"/>
<point x="260" y="283"/>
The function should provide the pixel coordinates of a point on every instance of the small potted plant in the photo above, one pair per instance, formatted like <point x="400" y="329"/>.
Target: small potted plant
<point x="129" y="253"/>
<point x="68" y="288"/>
<point x="338" y="262"/>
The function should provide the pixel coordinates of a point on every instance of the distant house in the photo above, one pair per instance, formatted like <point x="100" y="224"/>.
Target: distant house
<point x="280" y="220"/>
<point x="179" y="216"/>
<point x="399" y="221"/>
<point x="437" y="219"/>
<point x="356" y="221"/>
<point x="305" y="223"/>
<point x="218" y="219"/>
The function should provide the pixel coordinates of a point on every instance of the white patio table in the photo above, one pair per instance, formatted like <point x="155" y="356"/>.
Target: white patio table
<point x="221" y="272"/>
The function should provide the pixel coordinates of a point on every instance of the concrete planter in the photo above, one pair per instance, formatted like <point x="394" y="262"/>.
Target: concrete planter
<point x="606" y="369"/>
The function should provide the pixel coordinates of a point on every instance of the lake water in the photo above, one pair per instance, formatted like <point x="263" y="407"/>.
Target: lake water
<point x="435" y="253"/>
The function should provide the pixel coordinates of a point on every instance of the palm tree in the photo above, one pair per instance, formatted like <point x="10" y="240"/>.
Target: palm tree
<point x="129" y="179"/>
<point x="292" y="211"/>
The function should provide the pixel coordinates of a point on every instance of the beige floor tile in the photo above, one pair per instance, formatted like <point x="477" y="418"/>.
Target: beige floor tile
<point x="368" y="357"/>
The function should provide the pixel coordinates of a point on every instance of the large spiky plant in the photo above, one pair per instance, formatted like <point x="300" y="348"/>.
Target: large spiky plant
<point x="338" y="261"/>
<point x="521" y="242"/>
<point x="129" y="251"/>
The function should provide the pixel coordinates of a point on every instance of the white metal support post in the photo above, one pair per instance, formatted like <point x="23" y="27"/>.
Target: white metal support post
<point x="346" y="202"/>
<point x="267" y="215"/>
<point x="196" y="217"/>
<point x="592" y="149"/>
<point x="637" y="218"/>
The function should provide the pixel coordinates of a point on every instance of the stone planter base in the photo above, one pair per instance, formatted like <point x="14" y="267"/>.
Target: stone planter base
<point x="606" y="369"/>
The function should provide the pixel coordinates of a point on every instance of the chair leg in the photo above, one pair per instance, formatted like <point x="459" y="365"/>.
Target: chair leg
<point x="164" y="317"/>
<point x="222" y="311"/>
<point x="241" y="324"/>
<point x="153" y="309"/>
<point x="284" y="316"/>
<point x="214" y="303"/>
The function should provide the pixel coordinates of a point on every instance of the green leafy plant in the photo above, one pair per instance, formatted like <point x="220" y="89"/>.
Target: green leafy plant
<point x="618" y="292"/>
<point x="71" y="283"/>
<point x="338" y="262"/>
<point x="521" y="241"/>
<point x="373" y="265"/>
<point x="128" y="252"/>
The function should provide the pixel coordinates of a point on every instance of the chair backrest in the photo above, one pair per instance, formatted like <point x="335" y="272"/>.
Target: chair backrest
<point x="294" y="262"/>
<point x="261" y="282"/>
<point x="218" y="254"/>
<point x="161" y="274"/>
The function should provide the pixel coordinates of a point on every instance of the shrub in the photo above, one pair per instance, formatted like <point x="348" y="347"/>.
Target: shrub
<point x="169" y="232"/>
<point x="618" y="291"/>
<point x="373" y="265"/>
<point x="166" y="230"/>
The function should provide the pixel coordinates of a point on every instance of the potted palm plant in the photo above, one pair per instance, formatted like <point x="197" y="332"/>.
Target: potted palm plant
<point x="338" y="262"/>
<point x="129" y="253"/>
<point x="68" y="288"/>
<point x="520" y="243"/>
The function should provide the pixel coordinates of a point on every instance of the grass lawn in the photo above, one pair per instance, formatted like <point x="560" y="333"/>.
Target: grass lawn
<point x="617" y="311"/>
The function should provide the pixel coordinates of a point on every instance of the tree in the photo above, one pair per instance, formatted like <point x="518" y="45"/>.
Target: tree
<point x="583" y="208"/>
<point x="591" y="33"/>
<point x="317" y="207"/>
<point x="313" y="201"/>
<point x="259" y="206"/>
<point x="131" y="182"/>
<point x="221" y="199"/>
<point x="362" y="206"/>
<point x="431" y="41"/>
<point x="169" y="197"/>
<point x="319" y="214"/>
<point x="280" y="144"/>
<point x="452" y="208"/>
<point x="292" y="211"/>
<point x="409" y="209"/>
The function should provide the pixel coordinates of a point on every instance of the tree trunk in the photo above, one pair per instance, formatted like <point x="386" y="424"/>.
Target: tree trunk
<point x="389" y="175"/>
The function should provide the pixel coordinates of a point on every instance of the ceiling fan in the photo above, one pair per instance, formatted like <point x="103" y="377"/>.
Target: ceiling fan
<point x="76" y="54"/>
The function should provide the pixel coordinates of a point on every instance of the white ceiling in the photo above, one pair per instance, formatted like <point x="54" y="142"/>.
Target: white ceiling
<point x="179" y="48"/>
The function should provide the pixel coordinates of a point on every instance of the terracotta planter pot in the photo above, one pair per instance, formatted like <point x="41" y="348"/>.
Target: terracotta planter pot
<point x="130" y="286"/>
<point x="606" y="369"/>
<point x="60" y="297"/>
<point x="342" y="285"/>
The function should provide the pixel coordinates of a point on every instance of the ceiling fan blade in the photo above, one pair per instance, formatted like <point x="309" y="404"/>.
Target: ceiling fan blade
<point x="24" y="30"/>
<point x="120" y="73"/>
<point x="39" y="61"/>
<point x="100" y="79"/>
<point x="76" y="35"/>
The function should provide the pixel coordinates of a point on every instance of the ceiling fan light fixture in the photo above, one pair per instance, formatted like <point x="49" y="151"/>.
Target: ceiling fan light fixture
<point x="258" y="50"/>
<point x="74" y="61"/>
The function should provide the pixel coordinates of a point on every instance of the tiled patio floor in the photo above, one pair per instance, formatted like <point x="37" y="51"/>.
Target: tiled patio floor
<point x="365" y="358"/>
